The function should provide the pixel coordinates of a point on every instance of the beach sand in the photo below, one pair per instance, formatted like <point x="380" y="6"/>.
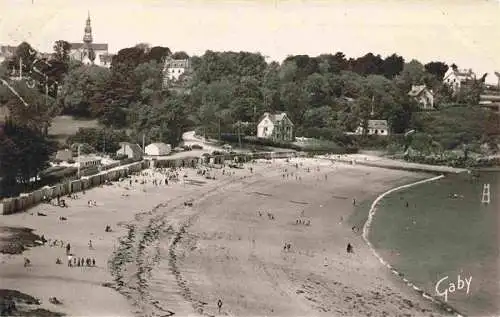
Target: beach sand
<point x="182" y="259"/>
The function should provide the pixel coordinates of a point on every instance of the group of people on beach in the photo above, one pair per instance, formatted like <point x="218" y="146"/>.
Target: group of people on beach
<point x="78" y="261"/>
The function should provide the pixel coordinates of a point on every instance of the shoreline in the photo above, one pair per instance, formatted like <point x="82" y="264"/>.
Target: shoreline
<point x="366" y="232"/>
<point x="149" y="268"/>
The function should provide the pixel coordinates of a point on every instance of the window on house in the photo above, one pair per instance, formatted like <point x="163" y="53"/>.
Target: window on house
<point x="382" y="131"/>
<point x="376" y="131"/>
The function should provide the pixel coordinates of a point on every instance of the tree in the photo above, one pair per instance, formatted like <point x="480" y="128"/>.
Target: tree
<point x="79" y="90"/>
<point x="332" y="63"/>
<point x="438" y="69"/>
<point x="61" y="51"/>
<point x="413" y="74"/>
<point x="180" y="55"/>
<point x="25" y="55"/>
<point x="39" y="112"/>
<point x="148" y="77"/>
<point x="305" y="65"/>
<point x="393" y="65"/>
<point x="163" y="121"/>
<point x="24" y="153"/>
<point x="294" y="99"/>
<point x="158" y="54"/>
<point x="368" y="64"/>
<point x="128" y="58"/>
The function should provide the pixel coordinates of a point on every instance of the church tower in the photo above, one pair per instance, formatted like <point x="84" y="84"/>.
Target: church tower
<point x="88" y="51"/>
<point x="87" y="36"/>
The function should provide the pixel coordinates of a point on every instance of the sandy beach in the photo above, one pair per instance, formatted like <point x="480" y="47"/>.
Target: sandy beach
<point x="165" y="257"/>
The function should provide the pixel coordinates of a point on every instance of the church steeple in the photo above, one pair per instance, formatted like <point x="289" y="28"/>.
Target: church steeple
<point x="87" y="37"/>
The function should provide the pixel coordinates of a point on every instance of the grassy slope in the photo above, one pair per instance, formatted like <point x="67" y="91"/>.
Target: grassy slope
<point x="64" y="126"/>
<point x="437" y="236"/>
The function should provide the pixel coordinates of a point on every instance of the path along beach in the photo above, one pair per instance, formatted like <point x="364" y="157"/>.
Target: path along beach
<point x="179" y="248"/>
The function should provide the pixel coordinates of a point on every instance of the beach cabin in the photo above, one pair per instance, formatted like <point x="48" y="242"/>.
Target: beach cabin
<point x="158" y="149"/>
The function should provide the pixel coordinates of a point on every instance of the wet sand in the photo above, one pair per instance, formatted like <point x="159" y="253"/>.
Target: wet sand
<point x="181" y="259"/>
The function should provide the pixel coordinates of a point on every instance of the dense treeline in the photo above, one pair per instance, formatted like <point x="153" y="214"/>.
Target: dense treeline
<point x="325" y="96"/>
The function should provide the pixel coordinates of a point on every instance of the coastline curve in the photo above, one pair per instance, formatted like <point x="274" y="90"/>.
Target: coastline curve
<point x="366" y="231"/>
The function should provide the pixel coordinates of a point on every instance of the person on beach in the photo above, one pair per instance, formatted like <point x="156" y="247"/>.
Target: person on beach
<point x="219" y="305"/>
<point x="70" y="263"/>
<point x="90" y="245"/>
<point x="68" y="248"/>
<point x="354" y="201"/>
<point x="93" y="262"/>
<point x="350" y="248"/>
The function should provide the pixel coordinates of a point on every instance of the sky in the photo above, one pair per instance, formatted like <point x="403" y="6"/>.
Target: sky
<point x="464" y="32"/>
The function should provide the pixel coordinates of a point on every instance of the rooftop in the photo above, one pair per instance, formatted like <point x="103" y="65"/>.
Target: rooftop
<point x="95" y="46"/>
<point x="275" y="118"/>
<point x="417" y="90"/>
<point x="378" y="124"/>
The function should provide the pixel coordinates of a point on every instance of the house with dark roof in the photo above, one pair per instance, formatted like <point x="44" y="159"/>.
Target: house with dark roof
<point x="423" y="96"/>
<point x="375" y="127"/>
<point x="277" y="127"/>
<point x="131" y="150"/>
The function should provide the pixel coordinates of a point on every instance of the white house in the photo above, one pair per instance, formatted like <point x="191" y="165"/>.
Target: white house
<point x="423" y="95"/>
<point x="375" y="127"/>
<point x="173" y="69"/>
<point x="157" y="149"/>
<point x="455" y="77"/>
<point x="277" y="127"/>
<point x="131" y="150"/>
